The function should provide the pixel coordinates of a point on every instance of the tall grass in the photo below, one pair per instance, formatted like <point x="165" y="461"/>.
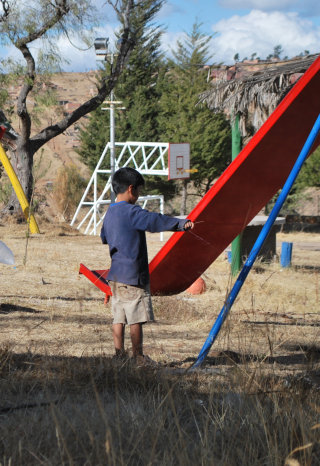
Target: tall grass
<point x="64" y="401"/>
<point x="68" y="410"/>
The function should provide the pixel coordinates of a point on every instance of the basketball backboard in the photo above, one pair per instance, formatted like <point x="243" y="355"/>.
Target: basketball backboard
<point x="178" y="161"/>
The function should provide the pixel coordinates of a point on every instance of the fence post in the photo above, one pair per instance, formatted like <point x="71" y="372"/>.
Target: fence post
<point x="286" y="255"/>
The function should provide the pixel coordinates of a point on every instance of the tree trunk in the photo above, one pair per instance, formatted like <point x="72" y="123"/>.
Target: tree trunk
<point x="184" y="195"/>
<point x="22" y="161"/>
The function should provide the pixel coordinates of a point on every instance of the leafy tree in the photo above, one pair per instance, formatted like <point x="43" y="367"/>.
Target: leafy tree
<point x="277" y="52"/>
<point x="137" y="88"/>
<point x="182" y="120"/>
<point x="21" y="23"/>
<point x="309" y="175"/>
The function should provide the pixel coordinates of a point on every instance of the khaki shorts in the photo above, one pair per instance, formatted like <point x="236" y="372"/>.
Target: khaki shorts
<point x="130" y="304"/>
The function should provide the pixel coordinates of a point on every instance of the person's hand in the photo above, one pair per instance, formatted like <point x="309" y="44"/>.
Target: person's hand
<point x="188" y="225"/>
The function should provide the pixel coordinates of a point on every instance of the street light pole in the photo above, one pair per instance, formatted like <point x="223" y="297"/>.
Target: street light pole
<point x="112" y="135"/>
<point x="101" y="49"/>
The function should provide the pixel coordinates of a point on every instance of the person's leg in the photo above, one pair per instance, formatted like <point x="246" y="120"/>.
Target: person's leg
<point x="118" y="337"/>
<point x="136" y="334"/>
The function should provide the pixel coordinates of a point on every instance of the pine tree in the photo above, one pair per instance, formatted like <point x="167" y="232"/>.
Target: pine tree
<point x="182" y="120"/>
<point x="137" y="89"/>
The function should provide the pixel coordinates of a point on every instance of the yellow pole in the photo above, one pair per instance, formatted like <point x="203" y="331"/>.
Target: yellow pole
<point x="19" y="191"/>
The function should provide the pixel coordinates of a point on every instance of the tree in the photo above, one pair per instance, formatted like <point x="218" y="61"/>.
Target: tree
<point x="23" y="23"/>
<point x="277" y="52"/>
<point x="310" y="172"/>
<point x="182" y="120"/>
<point x="138" y="90"/>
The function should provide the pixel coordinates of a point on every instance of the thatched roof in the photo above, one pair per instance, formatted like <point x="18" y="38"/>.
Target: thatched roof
<point x="254" y="92"/>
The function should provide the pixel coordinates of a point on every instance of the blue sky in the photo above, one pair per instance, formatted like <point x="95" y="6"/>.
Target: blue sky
<point x="248" y="26"/>
<point x="180" y="14"/>
<point x="237" y="26"/>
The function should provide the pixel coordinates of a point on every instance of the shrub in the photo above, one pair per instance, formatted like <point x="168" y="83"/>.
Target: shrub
<point x="68" y="189"/>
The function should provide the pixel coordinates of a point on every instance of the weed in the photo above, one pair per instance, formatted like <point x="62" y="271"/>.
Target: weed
<point x="68" y="189"/>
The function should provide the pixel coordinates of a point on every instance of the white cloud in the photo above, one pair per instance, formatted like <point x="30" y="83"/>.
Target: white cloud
<point x="260" y="31"/>
<point x="76" y="54"/>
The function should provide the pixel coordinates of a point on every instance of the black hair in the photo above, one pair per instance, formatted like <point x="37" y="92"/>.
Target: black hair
<point x="124" y="177"/>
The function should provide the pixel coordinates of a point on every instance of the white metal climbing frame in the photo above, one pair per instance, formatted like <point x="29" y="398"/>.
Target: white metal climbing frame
<point x="146" y="157"/>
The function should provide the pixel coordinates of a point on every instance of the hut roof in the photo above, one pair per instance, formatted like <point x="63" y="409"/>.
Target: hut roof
<point x="254" y="92"/>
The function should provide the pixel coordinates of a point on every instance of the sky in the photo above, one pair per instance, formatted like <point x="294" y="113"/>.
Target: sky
<point x="237" y="26"/>
<point x="249" y="26"/>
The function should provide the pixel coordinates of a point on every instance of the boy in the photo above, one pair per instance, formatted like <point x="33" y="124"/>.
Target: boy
<point x="123" y="229"/>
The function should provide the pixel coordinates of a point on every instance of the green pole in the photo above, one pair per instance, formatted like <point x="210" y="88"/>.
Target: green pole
<point x="236" y="243"/>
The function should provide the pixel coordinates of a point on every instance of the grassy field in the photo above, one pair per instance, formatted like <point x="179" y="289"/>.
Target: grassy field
<point x="64" y="401"/>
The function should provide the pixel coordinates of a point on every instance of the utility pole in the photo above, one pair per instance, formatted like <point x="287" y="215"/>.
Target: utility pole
<point x="112" y="134"/>
<point x="101" y="48"/>
<point x="236" y="243"/>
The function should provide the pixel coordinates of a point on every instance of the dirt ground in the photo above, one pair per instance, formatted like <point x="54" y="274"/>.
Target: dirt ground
<point x="46" y="307"/>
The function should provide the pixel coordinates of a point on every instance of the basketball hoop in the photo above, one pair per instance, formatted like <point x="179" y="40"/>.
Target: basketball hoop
<point x="179" y="161"/>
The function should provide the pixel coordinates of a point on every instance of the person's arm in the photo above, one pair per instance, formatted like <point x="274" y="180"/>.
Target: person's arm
<point x="153" y="222"/>
<point x="103" y="235"/>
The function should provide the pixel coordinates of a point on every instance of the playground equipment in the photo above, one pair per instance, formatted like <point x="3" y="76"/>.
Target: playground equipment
<point x="149" y="158"/>
<point x="18" y="188"/>
<point x="256" y="174"/>
<point x="258" y="245"/>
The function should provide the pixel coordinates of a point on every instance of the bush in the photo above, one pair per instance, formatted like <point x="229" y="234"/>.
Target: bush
<point x="68" y="189"/>
<point x="5" y="190"/>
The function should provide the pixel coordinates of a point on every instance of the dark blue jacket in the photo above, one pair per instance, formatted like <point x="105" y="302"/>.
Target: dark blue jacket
<point x="123" y="229"/>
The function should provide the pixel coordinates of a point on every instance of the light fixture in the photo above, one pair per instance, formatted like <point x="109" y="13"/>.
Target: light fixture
<point x="101" y="48"/>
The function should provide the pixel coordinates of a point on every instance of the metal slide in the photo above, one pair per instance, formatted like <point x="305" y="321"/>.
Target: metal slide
<point x="245" y="187"/>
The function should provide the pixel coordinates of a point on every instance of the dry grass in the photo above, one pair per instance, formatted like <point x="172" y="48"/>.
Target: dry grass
<point x="64" y="401"/>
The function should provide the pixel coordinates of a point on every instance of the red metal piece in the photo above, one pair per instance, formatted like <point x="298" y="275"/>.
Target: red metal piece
<point x="97" y="277"/>
<point x="252" y="178"/>
<point x="256" y="174"/>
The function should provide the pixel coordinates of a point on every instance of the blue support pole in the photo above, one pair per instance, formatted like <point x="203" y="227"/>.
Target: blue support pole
<point x="286" y="255"/>
<point x="258" y="244"/>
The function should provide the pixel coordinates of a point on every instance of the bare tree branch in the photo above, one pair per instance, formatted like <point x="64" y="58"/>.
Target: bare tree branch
<point x="61" y="9"/>
<point x="114" y="5"/>
<point x="127" y="43"/>
<point x="22" y="110"/>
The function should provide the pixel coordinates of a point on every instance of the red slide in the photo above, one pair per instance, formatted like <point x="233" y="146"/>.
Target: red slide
<point x="245" y="187"/>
